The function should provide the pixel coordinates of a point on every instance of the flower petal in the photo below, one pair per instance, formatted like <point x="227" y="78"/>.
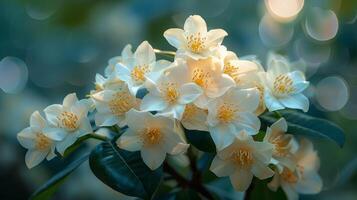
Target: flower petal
<point x="248" y="122"/>
<point x="37" y="121"/>
<point x="262" y="171"/>
<point x="153" y="157"/>
<point x="271" y="102"/>
<point x="130" y="141"/>
<point x="195" y="24"/>
<point x="189" y="92"/>
<point x="296" y="101"/>
<point x="222" y="135"/>
<point x="221" y="168"/>
<point x="241" y="180"/>
<point x="145" y="54"/>
<point x="152" y="103"/>
<point x="175" y="37"/>
<point x="52" y="112"/>
<point x="215" y="37"/>
<point x="311" y="183"/>
<point x="65" y="143"/>
<point x="105" y="119"/>
<point x="57" y="134"/>
<point x="27" y="138"/>
<point x="33" y="158"/>
<point x="69" y="100"/>
<point x="280" y="126"/>
<point x="290" y="191"/>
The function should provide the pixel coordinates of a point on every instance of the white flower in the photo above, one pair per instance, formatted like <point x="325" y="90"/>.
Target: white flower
<point x="134" y="71"/>
<point x="231" y="113"/>
<point x="194" y="118"/>
<point x="304" y="179"/>
<point x="112" y="106"/>
<point x="194" y="41"/>
<point x="208" y="74"/>
<point x="68" y="121"/>
<point x="126" y="54"/>
<point x="283" y="86"/>
<point x="171" y="92"/>
<point x="243" y="159"/>
<point x="282" y="154"/>
<point x="32" y="138"/>
<point x="153" y="135"/>
<point x="111" y="83"/>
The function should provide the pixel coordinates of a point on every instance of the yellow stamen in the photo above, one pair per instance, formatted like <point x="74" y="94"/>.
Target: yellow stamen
<point x="138" y="73"/>
<point x="151" y="136"/>
<point x="68" y="120"/>
<point x="231" y="70"/>
<point x="242" y="157"/>
<point x="196" y="43"/>
<point x="283" y="85"/>
<point x="289" y="176"/>
<point x="170" y="93"/>
<point x="226" y="113"/>
<point x="121" y="103"/>
<point x="42" y="142"/>
<point x="201" y="78"/>
<point x="281" y="144"/>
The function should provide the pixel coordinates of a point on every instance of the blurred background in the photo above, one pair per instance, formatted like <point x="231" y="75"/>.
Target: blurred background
<point x="51" y="48"/>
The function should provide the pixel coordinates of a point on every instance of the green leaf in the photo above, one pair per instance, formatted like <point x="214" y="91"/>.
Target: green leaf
<point x="124" y="171"/>
<point x="201" y="140"/>
<point x="302" y="124"/>
<point x="50" y="187"/>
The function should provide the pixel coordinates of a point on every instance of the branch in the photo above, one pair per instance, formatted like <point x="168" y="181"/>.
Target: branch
<point x="184" y="183"/>
<point x="171" y="53"/>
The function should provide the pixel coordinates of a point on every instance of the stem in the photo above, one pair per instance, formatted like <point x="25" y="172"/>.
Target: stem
<point x="171" y="53"/>
<point x="98" y="137"/>
<point x="184" y="183"/>
<point x="277" y="114"/>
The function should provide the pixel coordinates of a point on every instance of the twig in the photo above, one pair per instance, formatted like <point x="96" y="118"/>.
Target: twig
<point x="172" y="53"/>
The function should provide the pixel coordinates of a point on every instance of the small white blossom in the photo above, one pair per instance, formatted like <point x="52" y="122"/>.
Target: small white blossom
<point x="153" y="135"/>
<point x="283" y="87"/>
<point x="112" y="105"/>
<point x="68" y="122"/>
<point x="111" y="83"/>
<point x="134" y="71"/>
<point x="126" y="55"/>
<point x="32" y="138"/>
<point x="282" y="153"/>
<point x="194" y="118"/>
<point x="243" y="159"/>
<point x="208" y="74"/>
<point x="304" y="179"/>
<point x="171" y="92"/>
<point x="194" y="41"/>
<point x="232" y="113"/>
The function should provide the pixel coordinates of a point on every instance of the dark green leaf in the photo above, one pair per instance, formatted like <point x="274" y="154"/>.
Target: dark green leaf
<point x="124" y="171"/>
<point x="50" y="187"/>
<point x="302" y="124"/>
<point x="201" y="140"/>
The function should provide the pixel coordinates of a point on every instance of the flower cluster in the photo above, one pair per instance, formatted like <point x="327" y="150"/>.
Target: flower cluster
<point x="207" y="88"/>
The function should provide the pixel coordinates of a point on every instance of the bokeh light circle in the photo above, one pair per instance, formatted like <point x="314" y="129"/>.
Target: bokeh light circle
<point x="274" y="34"/>
<point x="13" y="74"/>
<point x="321" y="25"/>
<point x="284" y="10"/>
<point x="332" y="93"/>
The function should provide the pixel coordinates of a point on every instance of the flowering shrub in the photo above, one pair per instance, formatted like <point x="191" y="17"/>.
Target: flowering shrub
<point x="172" y="122"/>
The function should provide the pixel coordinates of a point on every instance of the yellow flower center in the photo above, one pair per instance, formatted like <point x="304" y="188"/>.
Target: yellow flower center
<point x="281" y="144"/>
<point x="242" y="157"/>
<point x="170" y="93"/>
<point x="201" y="78"/>
<point x="121" y="103"/>
<point x="231" y="70"/>
<point x="226" y="113"/>
<point x="196" y="43"/>
<point x="138" y="73"/>
<point x="68" y="120"/>
<point x="289" y="176"/>
<point x="283" y="85"/>
<point x="42" y="142"/>
<point x="151" y="136"/>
